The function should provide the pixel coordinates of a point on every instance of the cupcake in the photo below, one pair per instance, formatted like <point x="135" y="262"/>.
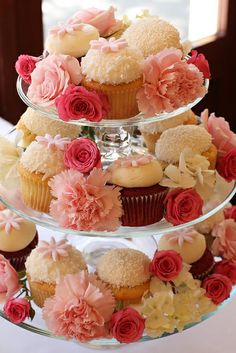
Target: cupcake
<point x="18" y="238"/>
<point x="125" y="272"/>
<point x="43" y="159"/>
<point x="33" y="124"/>
<point x="191" y="245"/>
<point x="70" y="38"/>
<point x="141" y="195"/>
<point x="48" y="263"/>
<point x="114" y="69"/>
<point x="152" y="132"/>
<point x="151" y="35"/>
<point x="173" y="141"/>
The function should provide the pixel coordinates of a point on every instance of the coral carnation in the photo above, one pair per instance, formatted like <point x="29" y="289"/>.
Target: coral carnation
<point x="80" y="308"/>
<point x="85" y="203"/>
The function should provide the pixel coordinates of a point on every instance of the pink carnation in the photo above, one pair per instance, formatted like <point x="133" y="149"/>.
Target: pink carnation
<point x="169" y="83"/>
<point x="85" y="203"/>
<point x="222" y="137"/>
<point x="225" y="239"/>
<point x="25" y="65"/>
<point x="80" y="308"/>
<point x="103" y="20"/>
<point x="51" y="77"/>
<point x="78" y="103"/>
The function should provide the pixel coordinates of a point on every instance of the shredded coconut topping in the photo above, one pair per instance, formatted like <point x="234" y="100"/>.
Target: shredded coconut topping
<point x="124" y="268"/>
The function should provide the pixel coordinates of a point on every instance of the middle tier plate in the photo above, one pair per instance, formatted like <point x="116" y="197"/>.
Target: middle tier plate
<point x="223" y="193"/>
<point x="22" y="89"/>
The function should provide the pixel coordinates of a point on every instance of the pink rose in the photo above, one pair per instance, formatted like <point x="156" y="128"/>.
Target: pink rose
<point x="226" y="268"/>
<point x="225" y="243"/>
<point x="230" y="212"/>
<point x="226" y="165"/>
<point x="78" y="103"/>
<point x="9" y="283"/>
<point x="201" y="62"/>
<point x="218" y="287"/>
<point x="17" y="310"/>
<point x="222" y="137"/>
<point x="82" y="154"/>
<point x="166" y="265"/>
<point x="127" y="325"/>
<point x="169" y="83"/>
<point x="51" y="77"/>
<point x="25" y="65"/>
<point x="103" y="20"/>
<point x="182" y="206"/>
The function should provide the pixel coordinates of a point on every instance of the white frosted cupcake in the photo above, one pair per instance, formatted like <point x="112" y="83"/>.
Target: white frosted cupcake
<point x="33" y="124"/>
<point x="48" y="263"/>
<point x="70" y="38"/>
<point x="114" y="69"/>
<point x="152" y="132"/>
<point x="151" y="35"/>
<point x="43" y="159"/>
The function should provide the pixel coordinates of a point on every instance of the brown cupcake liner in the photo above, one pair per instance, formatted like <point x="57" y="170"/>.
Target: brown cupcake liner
<point x="17" y="258"/>
<point x="40" y="291"/>
<point x="122" y="98"/>
<point x="35" y="191"/>
<point x="143" y="210"/>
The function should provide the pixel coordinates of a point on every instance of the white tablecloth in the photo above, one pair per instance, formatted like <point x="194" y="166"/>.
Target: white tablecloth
<point x="216" y="335"/>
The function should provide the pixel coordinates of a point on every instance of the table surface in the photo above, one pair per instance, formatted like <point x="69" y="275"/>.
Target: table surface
<point x="215" y="335"/>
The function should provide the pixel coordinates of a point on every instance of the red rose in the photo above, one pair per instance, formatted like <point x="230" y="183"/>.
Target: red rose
<point x="25" y="65"/>
<point x="77" y="103"/>
<point x="226" y="165"/>
<point x="166" y="265"/>
<point x="230" y="212"/>
<point x="127" y="325"/>
<point x="82" y="154"/>
<point x="17" y="310"/>
<point x="218" y="287"/>
<point x="226" y="268"/>
<point x="182" y="205"/>
<point x="201" y="62"/>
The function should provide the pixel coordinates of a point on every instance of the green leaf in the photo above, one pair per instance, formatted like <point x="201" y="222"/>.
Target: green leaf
<point x="31" y="313"/>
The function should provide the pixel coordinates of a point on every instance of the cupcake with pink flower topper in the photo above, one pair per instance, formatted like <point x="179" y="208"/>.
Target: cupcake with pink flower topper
<point x="47" y="265"/>
<point x="142" y="197"/>
<point x="43" y="159"/>
<point x="114" y="68"/>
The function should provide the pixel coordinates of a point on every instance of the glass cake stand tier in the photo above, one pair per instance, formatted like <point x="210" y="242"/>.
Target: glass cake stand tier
<point x="22" y="89"/>
<point x="38" y="326"/>
<point x="223" y="193"/>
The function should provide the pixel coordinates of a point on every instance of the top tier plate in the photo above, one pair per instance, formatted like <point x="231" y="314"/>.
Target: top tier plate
<point x="22" y="88"/>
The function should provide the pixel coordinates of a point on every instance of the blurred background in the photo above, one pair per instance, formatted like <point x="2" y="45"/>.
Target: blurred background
<point x="209" y="24"/>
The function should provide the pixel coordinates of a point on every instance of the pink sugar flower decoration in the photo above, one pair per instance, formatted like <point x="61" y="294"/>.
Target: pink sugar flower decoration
<point x="85" y="203"/>
<point x="54" y="249"/>
<point x="65" y="28"/>
<point x="80" y="308"/>
<point x="184" y="235"/>
<point x="110" y="45"/>
<point x="169" y="83"/>
<point x="133" y="161"/>
<point x="53" y="143"/>
<point x="9" y="221"/>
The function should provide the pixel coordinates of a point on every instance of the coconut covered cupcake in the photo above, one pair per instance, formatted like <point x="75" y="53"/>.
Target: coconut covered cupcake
<point x="43" y="159"/>
<point x="114" y="68"/>
<point x="173" y="141"/>
<point x="151" y="35"/>
<point x="142" y="197"/>
<point x="152" y="132"/>
<point x="33" y="124"/>
<point x="18" y="238"/>
<point x="48" y="264"/>
<point x="125" y="272"/>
